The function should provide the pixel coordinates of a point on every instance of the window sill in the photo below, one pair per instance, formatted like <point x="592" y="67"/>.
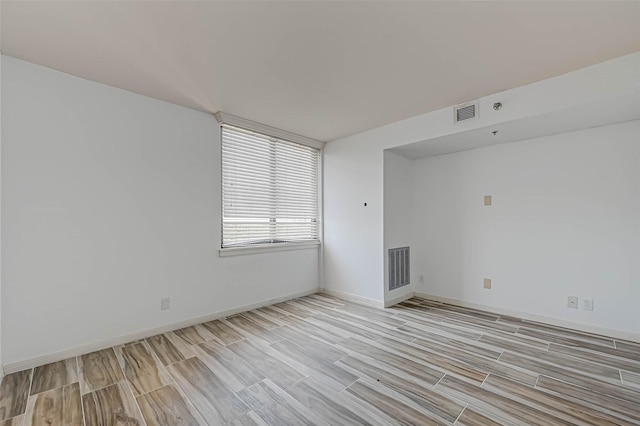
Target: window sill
<point x="241" y="251"/>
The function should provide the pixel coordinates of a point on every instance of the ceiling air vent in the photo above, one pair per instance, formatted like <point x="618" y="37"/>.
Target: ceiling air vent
<point x="465" y="112"/>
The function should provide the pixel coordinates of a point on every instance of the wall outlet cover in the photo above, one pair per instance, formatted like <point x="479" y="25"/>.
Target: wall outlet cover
<point x="587" y="304"/>
<point x="572" y="302"/>
<point x="165" y="303"/>
<point x="487" y="283"/>
<point x="488" y="199"/>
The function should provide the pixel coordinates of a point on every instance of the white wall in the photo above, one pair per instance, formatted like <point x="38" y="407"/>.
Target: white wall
<point x="110" y="201"/>
<point x="565" y="220"/>
<point x="353" y="232"/>
<point x="398" y="218"/>
<point x="354" y="243"/>
<point x="1" y="369"/>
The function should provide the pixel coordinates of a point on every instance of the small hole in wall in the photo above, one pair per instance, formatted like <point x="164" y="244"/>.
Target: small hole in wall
<point x="365" y="204"/>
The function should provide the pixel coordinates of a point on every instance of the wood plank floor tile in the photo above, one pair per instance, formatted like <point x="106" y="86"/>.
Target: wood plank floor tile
<point x="194" y="335"/>
<point x="318" y="347"/>
<point x="565" y="341"/>
<point x="484" y="315"/>
<point x="627" y="346"/>
<point x="440" y="405"/>
<point x="593" y="368"/>
<point x="415" y="325"/>
<point x="604" y="359"/>
<point x="54" y="375"/>
<point x="60" y="406"/>
<point x="166" y="407"/>
<point x="402" y="413"/>
<point x="370" y="325"/>
<point x="562" y="331"/>
<point x="335" y="407"/>
<point x="326" y="298"/>
<point x="561" y="408"/>
<point x="465" y="345"/>
<point x="630" y="378"/>
<point x="316" y="329"/>
<point x="262" y="321"/>
<point x="318" y="303"/>
<point x="580" y="379"/>
<point x="169" y="348"/>
<point x="294" y="310"/>
<point x="215" y="402"/>
<point x="249" y="419"/>
<point x="251" y="329"/>
<point x="485" y="365"/>
<point x="314" y="306"/>
<point x="371" y="315"/>
<point x="277" y="407"/>
<point x="473" y="417"/>
<point x="467" y="315"/>
<point x="318" y="365"/>
<point x="597" y="399"/>
<point x="274" y="314"/>
<point x="231" y="369"/>
<point x="13" y="421"/>
<point x="223" y="332"/>
<point x="144" y="372"/>
<point x="266" y="364"/>
<point x="14" y="392"/>
<point x="404" y="363"/>
<point x="99" y="369"/>
<point x="112" y="405"/>
<point x="353" y="330"/>
<point x="504" y="407"/>
<point x="510" y="341"/>
<point x="481" y="325"/>
<point x="433" y="358"/>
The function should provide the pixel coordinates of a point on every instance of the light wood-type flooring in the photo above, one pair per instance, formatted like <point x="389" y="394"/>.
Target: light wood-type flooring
<point x="320" y="360"/>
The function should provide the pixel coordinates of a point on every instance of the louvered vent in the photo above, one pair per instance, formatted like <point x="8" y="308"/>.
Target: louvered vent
<point x="465" y="112"/>
<point x="399" y="267"/>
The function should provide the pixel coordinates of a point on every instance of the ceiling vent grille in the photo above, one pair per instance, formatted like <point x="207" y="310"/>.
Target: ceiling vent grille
<point x="465" y="112"/>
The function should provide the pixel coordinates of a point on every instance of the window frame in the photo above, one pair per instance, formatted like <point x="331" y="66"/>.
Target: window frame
<point x="247" y="125"/>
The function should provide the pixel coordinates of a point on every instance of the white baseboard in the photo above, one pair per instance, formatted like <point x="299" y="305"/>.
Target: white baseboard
<point x="107" y="343"/>
<point x="395" y="301"/>
<point x="609" y="332"/>
<point x="353" y="298"/>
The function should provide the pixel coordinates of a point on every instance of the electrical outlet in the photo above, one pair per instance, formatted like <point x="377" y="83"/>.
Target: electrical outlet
<point x="165" y="303"/>
<point x="421" y="279"/>
<point x="572" y="302"/>
<point x="487" y="283"/>
<point x="587" y="304"/>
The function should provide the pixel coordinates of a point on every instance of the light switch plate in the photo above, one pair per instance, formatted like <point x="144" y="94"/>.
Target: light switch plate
<point x="488" y="200"/>
<point x="487" y="283"/>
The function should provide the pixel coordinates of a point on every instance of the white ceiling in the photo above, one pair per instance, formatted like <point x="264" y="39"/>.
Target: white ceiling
<point x="614" y="110"/>
<point x="319" y="69"/>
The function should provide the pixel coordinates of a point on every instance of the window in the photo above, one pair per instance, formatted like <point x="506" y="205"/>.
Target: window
<point x="269" y="190"/>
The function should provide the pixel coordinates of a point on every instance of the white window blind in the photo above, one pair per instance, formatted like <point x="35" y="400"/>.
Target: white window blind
<point x="269" y="190"/>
